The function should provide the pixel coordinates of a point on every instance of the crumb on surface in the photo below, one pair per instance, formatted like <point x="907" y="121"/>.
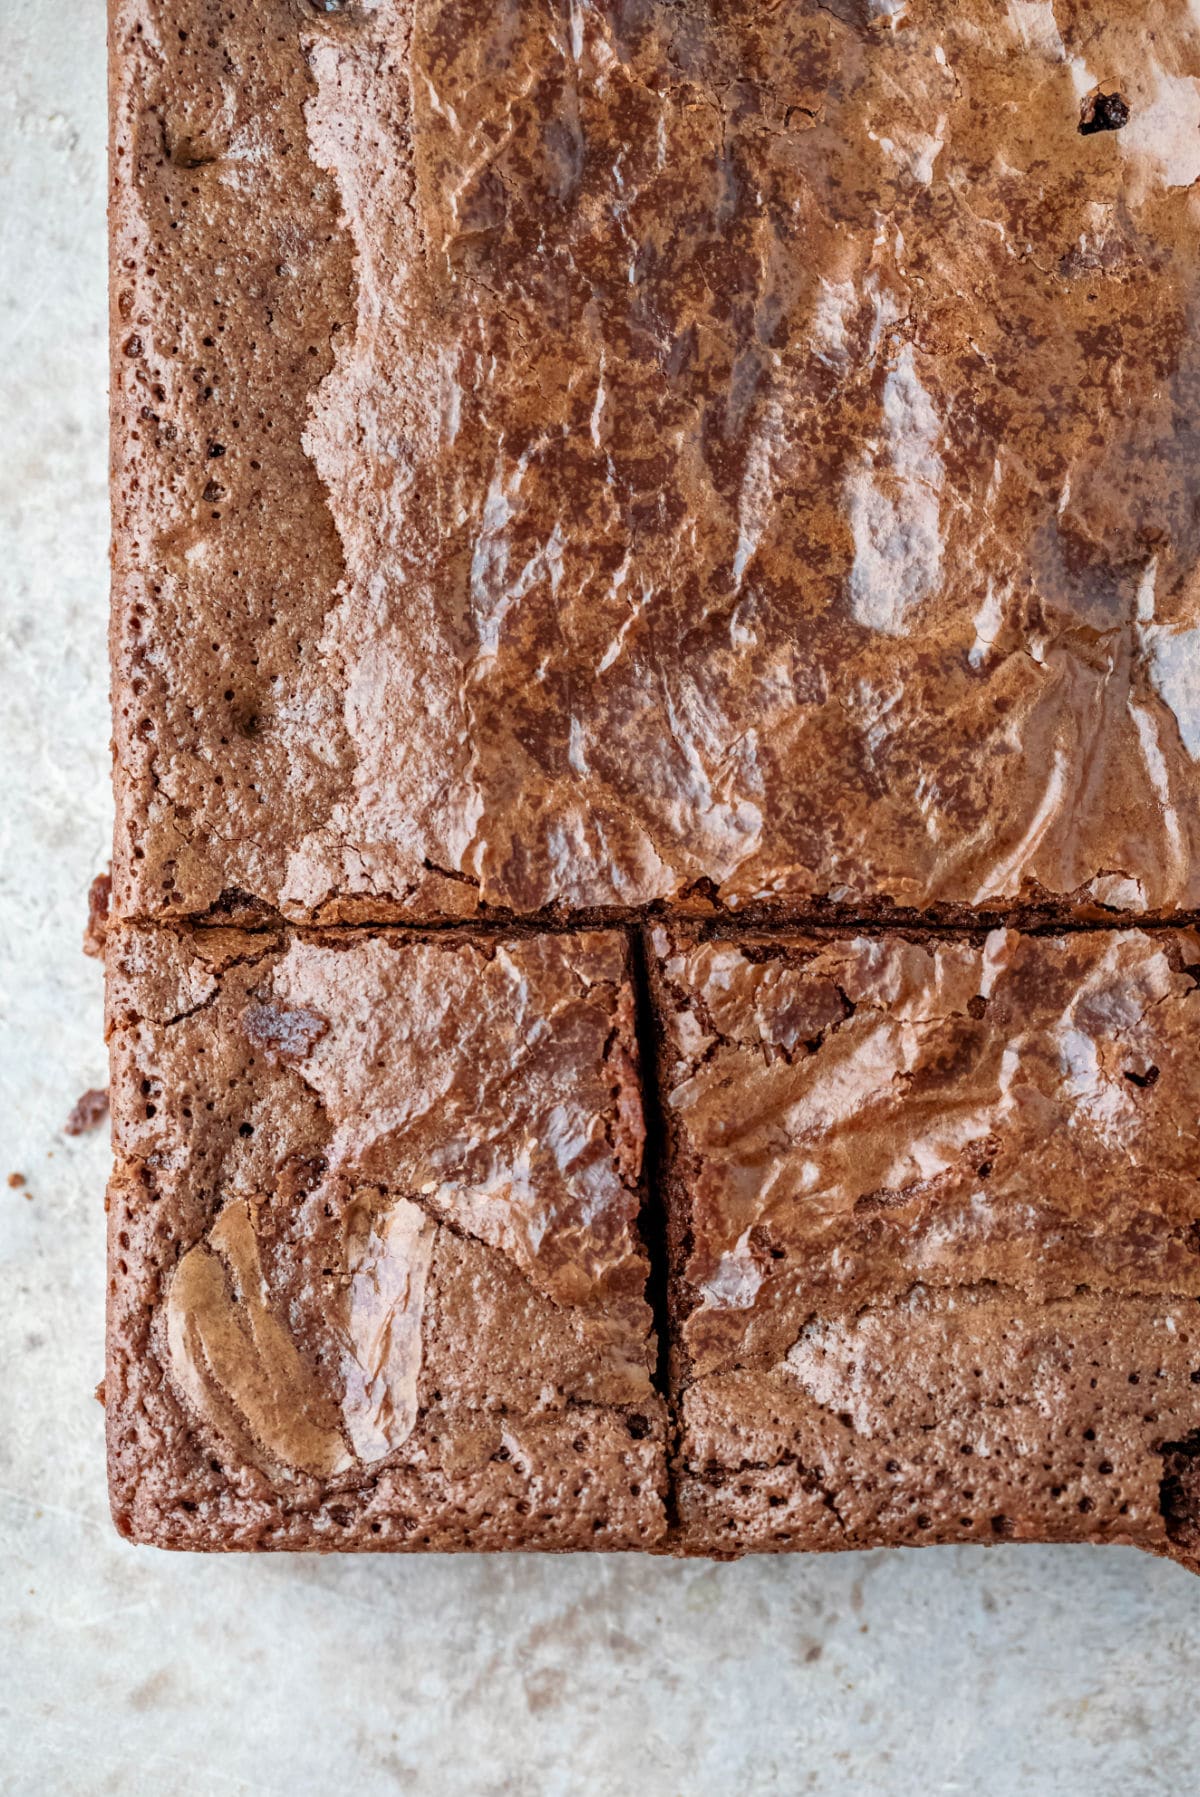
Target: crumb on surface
<point x="99" y="898"/>
<point x="88" y="1111"/>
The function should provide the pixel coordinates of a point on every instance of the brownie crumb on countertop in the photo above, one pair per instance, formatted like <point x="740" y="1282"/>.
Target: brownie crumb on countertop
<point x="88" y="1112"/>
<point x="99" y="902"/>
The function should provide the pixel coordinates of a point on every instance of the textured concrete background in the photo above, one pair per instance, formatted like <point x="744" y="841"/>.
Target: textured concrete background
<point x="1007" y="1671"/>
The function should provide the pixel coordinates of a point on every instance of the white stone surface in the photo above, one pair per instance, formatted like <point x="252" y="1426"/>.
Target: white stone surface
<point x="1009" y="1672"/>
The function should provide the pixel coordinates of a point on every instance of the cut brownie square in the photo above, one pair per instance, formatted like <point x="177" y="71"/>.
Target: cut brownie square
<point x="590" y="456"/>
<point x="376" y="1276"/>
<point x="935" y="1236"/>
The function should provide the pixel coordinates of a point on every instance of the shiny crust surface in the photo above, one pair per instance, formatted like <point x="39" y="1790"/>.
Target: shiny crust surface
<point x="926" y="1192"/>
<point x="377" y="1275"/>
<point x="701" y="467"/>
<point x="613" y="455"/>
<point x="853" y="1115"/>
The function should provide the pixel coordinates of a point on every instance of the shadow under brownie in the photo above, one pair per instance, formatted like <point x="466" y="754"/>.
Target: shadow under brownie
<point x="376" y="1272"/>
<point x="934" y="1236"/>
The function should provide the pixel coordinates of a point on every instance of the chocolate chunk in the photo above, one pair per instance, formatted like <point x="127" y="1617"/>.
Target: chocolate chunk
<point x="1103" y="112"/>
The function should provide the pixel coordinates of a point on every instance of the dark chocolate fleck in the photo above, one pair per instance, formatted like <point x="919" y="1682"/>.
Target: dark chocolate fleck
<point x="1103" y="112"/>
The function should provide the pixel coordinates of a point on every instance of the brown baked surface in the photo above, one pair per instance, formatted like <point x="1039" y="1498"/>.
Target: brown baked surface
<point x="598" y="456"/>
<point x="376" y="1271"/>
<point x="630" y="518"/>
<point x="935" y="1255"/>
<point x="971" y="1416"/>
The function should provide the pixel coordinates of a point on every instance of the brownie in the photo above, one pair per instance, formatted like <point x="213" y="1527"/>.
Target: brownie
<point x="376" y="1271"/>
<point x="654" y="454"/>
<point x="652" y="520"/>
<point x="935" y="1257"/>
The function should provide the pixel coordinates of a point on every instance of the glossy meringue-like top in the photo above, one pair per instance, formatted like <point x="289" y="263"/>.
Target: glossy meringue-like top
<point x="706" y="452"/>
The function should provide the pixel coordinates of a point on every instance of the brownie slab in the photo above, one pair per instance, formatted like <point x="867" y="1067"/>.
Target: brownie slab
<point x="581" y="464"/>
<point x="376" y="1276"/>
<point x="934" y="1236"/>
<point x="591" y="456"/>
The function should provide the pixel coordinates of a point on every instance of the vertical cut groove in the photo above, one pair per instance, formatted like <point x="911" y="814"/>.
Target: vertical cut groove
<point x="653" y="1219"/>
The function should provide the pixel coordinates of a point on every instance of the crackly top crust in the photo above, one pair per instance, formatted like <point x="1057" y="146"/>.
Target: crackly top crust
<point x="851" y="1116"/>
<point x="647" y="452"/>
<point x="936" y="1265"/>
<point x="377" y="1275"/>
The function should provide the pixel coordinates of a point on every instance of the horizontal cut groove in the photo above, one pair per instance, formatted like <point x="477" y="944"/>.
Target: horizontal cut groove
<point x="707" y="926"/>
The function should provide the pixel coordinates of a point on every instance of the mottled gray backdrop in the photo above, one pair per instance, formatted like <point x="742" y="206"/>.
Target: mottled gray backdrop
<point x="1012" y="1670"/>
